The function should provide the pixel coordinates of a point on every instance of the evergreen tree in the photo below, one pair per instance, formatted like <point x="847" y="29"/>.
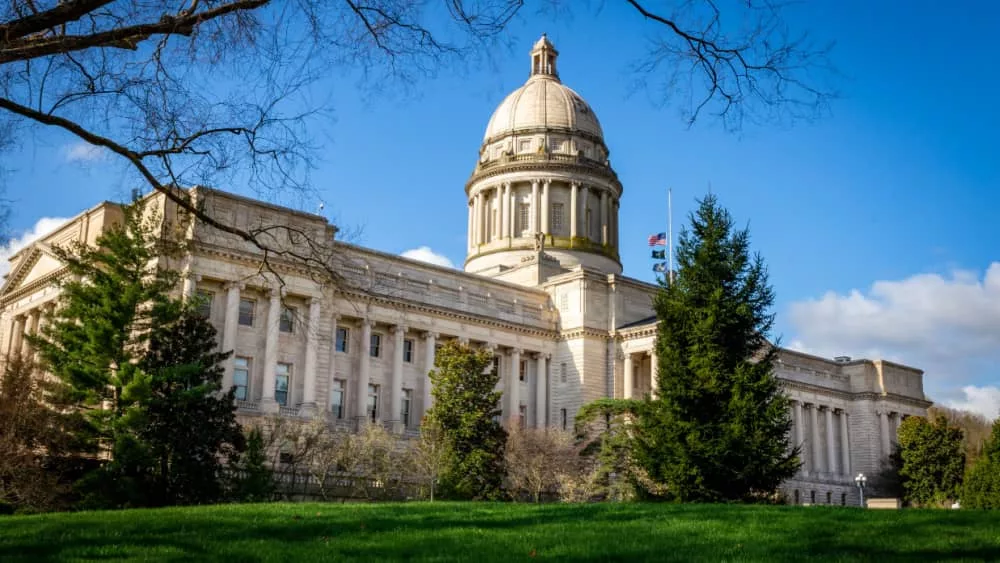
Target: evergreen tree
<point x="933" y="459"/>
<point x="466" y="411"/>
<point x="718" y="429"/>
<point x="982" y="481"/>
<point x="253" y="480"/>
<point x="188" y="426"/>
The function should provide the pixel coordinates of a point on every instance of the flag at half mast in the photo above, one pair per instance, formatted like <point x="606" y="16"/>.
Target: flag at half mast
<point x="659" y="239"/>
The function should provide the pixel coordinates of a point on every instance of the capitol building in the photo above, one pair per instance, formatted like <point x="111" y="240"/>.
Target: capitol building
<point x="542" y="288"/>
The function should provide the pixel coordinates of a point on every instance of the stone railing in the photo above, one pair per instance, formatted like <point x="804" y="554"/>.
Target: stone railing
<point x="247" y="405"/>
<point x="508" y="158"/>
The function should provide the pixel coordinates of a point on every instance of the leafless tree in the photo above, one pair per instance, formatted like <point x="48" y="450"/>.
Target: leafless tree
<point x="215" y="92"/>
<point x="430" y="456"/>
<point x="541" y="460"/>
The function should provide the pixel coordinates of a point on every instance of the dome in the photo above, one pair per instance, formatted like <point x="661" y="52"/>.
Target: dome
<point x="543" y="102"/>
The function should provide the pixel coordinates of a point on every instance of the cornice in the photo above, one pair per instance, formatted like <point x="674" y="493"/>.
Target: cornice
<point x="536" y="165"/>
<point x="583" y="332"/>
<point x="543" y="131"/>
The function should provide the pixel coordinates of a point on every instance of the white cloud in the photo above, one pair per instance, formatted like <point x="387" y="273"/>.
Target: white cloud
<point x="425" y="254"/>
<point x="981" y="400"/>
<point x="949" y="326"/>
<point x="83" y="152"/>
<point x="42" y="227"/>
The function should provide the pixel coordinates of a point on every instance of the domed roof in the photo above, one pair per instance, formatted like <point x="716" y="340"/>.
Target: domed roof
<point x="543" y="101"/>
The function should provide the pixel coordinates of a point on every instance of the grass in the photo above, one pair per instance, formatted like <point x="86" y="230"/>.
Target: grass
<point x="502" y="532"/>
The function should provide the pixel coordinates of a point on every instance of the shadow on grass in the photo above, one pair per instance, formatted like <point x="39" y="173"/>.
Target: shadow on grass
<point x="502" y="532"/>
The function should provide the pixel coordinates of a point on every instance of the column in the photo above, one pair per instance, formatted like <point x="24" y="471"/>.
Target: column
<point x="800" y="436"/>
<point x="574" y="209"/>
<point x="396" y="392"/>
<point x="534" y="206"/>
<point x="16" y="336"/>
<point x="190" y="284"/>
<point x="883" y="420"/>
<point x="584" y="201"/>
<point x="545" y="206"/>
<point x="334" y="319"/>
<point x="267" y="402"/>
<point x="513" y="215"/>
<point x="604" y="217"/>
<point x="479" y="218"/>
<point x="472" y="226"/>
<point x="364" y="365"/>
<point x="627" y="379"/>
<point x="654" y="379"/>
<point x="893" y="430"/>
<point x="514" y="387"/>
<point x="845" y="446"/>
<point x="31" y="327"/>
<point x="541" y="386"/>
<point x="308" y="407"/>
<point x="229" y="328"/>
<point x="505" y="211"/>
<point x="430" y="350"/>
<point x="817" y="453"/>
<point x="831" y="452"/>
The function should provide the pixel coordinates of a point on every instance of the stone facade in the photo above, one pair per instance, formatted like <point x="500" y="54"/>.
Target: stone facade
<point x="543" y="289"/>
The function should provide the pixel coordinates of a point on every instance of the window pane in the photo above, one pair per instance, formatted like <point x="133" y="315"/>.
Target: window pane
<point x="241" y="377"/>
<point x="286" y="322"/>
<point x="342" y="340"/>
<point x="337" y="401"/>
<point x="205" y="303"/>
<point x="246" y="312"/>
<point x="281" y="384"/>
<point x="408" y="351"/>
<point x="376" y="345"/>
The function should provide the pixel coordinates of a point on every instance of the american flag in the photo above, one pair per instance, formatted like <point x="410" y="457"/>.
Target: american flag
<point x="659" y="239"/>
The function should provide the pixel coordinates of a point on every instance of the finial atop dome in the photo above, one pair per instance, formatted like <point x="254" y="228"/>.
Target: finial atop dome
<point x="543" y="58"/>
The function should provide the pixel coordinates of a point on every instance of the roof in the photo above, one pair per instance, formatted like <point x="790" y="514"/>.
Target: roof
<point x="641" y="322"/>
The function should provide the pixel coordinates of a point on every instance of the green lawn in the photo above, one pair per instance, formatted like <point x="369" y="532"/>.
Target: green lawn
<point x="502" y="532"/>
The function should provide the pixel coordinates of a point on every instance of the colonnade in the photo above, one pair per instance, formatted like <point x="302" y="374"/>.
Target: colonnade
<point x="888" y="426"/>
<point x="835" y="458"/>
<point x="629" y="375"/>
<point x="493" y="213"/>
<point x="27" y="323"/>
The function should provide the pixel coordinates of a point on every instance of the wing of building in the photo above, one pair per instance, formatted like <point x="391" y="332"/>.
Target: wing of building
<point x="542" y="288"/>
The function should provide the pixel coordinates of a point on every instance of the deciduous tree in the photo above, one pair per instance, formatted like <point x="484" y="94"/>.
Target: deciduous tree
<point x="982" y="481"/>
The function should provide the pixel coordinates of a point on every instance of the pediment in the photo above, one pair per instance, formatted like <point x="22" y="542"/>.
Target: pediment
<point x="34" y="263"/>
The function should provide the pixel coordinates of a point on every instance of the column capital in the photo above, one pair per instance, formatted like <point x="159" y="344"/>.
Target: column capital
<point x="368" y="322"/>
<point x="431" y="334"/>
<point x="336" y="316"/>
<point x="400" y="329"/>
<point x="517" y="351"/>
<point x="543" y="356"/>
<point x="188" y="274"/>
<point x="491" y="346"/>
<point x="235" y="284"/>
<point x="313" y="300"/>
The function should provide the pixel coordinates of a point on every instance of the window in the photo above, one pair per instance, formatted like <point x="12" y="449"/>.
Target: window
<point x="522" y="216"/>
<point x="812" y="497"/>
<point x="404" y="409"/>
<point x="408" y="351"/>
<point x="281" y="376"/>
<point x="286" y="322"/>
<point x="843" y="499"/>
<point x="522" y="415"/>
<point x="496" y="364"/>
<point x="205" y="303"/>
<point x="523" y="371"/>
<point x="557" y="218"/>
<point x="564" y="301"/>
<point x="796" y="496"/>
<point x="372" y="406"/>
<point x="241" y="377"/>
<point x="343" y="335"/>
<point x="588" y="225"/>
<point x="555" y="144"/>
<point x="562" y="413"/>
<point x="337" y="398"/>
<point x="246" y="312"/>
<point x="562" y="372"/>
<point x="829" y="497"/>
<point x="376" y="346"/>
<point x="286" y="458"/>
<point x="524" y="145"/>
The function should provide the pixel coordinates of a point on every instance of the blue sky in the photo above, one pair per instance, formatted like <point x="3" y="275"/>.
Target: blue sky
<point x="879" y="223"/>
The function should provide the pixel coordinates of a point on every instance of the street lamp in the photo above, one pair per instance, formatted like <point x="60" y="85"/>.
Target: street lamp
<point x="861" y="481"/>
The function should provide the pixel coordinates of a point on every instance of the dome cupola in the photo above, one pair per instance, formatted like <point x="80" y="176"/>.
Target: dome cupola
<point x="543" y="178"/>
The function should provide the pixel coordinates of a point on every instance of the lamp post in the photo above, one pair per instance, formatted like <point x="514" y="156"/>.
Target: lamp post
<point x="861" y="481"/>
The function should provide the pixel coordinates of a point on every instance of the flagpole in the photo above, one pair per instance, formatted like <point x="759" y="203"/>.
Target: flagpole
<point x="670" y="236"/>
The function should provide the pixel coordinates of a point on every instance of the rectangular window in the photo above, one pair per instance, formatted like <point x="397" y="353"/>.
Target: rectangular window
<point x="562" y="413"/>
<point x="404" y="409"/>
<point x="524" y="145"/>
<point x="343" y="335"/>
<point x="246" y="312"/>
<point x="557" y="218"/>
<point x="496" y="364"/>
<point x="408" y="351"/>
<point x="555" y="144"/>
<point x="337" y="398"/>
<point x="562" y="372"/>
<point x="205" y="303"/>
<point x="522" y="216"/>
<point x="522" y="412"/>
<point x="376" y="346"/>
<point x="522" y="372"/>
<point x="372" y="406"/>
<point x="286" y="322"/>
<point x="241" y="377"/>
<point x="281" y="376"/>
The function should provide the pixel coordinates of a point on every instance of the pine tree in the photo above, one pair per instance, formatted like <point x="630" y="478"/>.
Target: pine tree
<point x="253" y="480"/>
<point x="189" y="426"/>
<point x="718" y="429"/>
<point x="466" y="411"/>
<point x="982" y="481"/>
